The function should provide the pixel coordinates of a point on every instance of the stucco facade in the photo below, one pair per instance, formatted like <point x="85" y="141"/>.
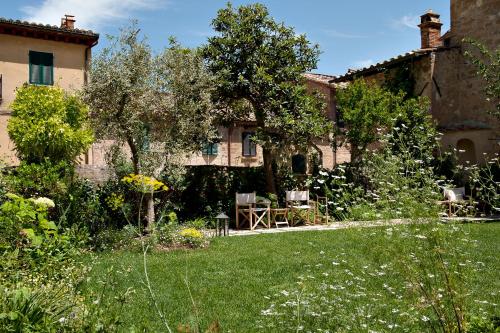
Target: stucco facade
<point x="71" y="51"/>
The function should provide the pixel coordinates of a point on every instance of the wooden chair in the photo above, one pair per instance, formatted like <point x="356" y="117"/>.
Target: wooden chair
<point x="298" y="201"/>
<point x="319" y="216"/>
<point x="453" y="197"/>
<point x="246" y="206"/>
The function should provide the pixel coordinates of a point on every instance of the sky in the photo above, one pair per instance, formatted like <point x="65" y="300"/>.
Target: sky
<point x="350" y="33"/>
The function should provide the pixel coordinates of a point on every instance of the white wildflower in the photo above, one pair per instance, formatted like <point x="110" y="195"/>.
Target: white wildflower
<point x="44" y="202"/>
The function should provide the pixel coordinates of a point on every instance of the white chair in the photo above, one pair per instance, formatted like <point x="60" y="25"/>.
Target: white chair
<point x="453" y="196"/>
<point x="246" y="206"/>
<point x="297" y="201"/>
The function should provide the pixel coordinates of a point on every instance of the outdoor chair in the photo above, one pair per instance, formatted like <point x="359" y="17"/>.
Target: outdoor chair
<point x="321" y="210"/>
<point x="297" y="201"/>
<point x="453" y="197"/>
<point x="248" y="207"/>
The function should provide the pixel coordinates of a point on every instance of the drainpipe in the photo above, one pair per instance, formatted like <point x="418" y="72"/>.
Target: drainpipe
<point x="85" y="81"/>
<point x="86" y="64"/>
<point x="229" y="135"/>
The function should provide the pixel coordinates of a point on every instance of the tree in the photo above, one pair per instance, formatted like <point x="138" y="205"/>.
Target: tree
<point x="368" y="112"/>
<point x="48" y="124"/>
<point x="488" y="68"/>
<point x="258" y="64"/>
<point x="156" y="105"/>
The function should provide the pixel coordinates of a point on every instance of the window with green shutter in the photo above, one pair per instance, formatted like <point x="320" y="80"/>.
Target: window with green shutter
<point x="210" y="149"/>
<point x="41" y="68"/>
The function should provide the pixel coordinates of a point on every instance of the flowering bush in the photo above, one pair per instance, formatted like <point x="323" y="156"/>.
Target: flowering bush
<point x="144" y="184"/>
<point x="192" y="237"/>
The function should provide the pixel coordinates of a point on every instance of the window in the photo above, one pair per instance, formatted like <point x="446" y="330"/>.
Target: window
<point x="210" y="149"/>
<point x="299" y="164"/>
<point x="41" y="68"/>
<point x="249" y="147"/>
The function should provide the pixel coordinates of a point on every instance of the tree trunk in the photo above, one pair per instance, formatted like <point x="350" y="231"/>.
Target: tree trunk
<point x="135" y="154"/>
<point x="268" y="170"/>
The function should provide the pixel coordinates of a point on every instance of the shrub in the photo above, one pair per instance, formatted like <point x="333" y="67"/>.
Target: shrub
<point x="192" y="237"/>
<point x="47" y="123"/>
<point x="41" y="179"/>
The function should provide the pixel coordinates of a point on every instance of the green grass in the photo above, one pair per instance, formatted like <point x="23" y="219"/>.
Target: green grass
<point x="236" y="278"/>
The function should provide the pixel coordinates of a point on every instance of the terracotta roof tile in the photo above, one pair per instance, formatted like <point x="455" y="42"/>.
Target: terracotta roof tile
<point x="48" y="27"/>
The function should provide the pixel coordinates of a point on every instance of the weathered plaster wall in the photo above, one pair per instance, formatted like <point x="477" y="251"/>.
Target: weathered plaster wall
<point x="69" y="65"/>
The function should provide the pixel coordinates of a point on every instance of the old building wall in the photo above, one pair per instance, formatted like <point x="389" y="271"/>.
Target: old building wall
<point x="69" y="65"/>
<point x="478" y="19"/>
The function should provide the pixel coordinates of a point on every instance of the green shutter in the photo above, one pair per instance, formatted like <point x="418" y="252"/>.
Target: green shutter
<point x="41" y="68"/>
<point x="210" y="149"/>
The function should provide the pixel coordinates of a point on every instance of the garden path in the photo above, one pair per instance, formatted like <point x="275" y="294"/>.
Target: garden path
<point x="351" y="224"/>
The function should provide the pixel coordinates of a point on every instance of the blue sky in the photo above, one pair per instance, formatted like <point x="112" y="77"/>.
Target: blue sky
<point x="351" y="33"/>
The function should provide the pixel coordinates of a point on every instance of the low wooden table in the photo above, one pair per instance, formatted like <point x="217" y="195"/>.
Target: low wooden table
<point x="282" y="213"/>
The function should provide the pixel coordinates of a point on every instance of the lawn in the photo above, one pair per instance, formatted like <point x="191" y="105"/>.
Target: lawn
<point x="237" y="280"/>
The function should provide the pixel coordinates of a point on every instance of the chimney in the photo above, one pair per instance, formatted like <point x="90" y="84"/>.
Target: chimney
<point x="430" y="30"/>
<point x="68" y="22"/>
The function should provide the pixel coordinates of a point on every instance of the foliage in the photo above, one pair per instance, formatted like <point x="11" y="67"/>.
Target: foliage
<point x="208" y="190"/>
<point x="26" y="310"/>
<point x="487" y="63"/>
<point x="399" y="80"/>
<point x="48" y="123"/>
<point x="36" y="179"/>
<point x="485" y="182"/>
<point x="394" y="179"/>
<point x="258" y="66"/>
<point x="151" y="103"/>
<point x="368" y="112"/>
<point x="339" y="188"/>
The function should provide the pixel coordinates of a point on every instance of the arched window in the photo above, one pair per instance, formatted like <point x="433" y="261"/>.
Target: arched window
<point x="299" y="164"/>
<point x="466" y="151"/>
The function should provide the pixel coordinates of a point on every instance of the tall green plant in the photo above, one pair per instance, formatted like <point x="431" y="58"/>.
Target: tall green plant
<point x="48" y="123"/>
<point x="368" y="112"/>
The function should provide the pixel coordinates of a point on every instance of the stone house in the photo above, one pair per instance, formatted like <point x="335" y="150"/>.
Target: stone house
<point x="42" y="55"/>
<point x="443" y="74"/>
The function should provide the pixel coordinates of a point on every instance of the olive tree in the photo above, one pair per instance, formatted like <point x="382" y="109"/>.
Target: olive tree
<point x="157" y="105"/>
<point x="258" y="65"/>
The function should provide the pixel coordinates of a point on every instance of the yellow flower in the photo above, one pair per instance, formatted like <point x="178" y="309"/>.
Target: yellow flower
<point x="191" y="233"/>
<point x="145" y="184"/>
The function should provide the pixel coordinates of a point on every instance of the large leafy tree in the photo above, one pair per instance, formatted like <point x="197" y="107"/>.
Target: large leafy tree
<point x="368" y="111"/>
<point x="48" y="124"/>
<point x="158" y="106"/>
<point x="258" y="64"/>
